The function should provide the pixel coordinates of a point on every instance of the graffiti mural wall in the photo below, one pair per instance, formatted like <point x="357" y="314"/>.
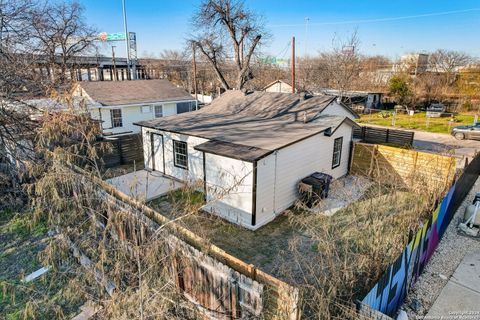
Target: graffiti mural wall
<point x="390" y="291"/>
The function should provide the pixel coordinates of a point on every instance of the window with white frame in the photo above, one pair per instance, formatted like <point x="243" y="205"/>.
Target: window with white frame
<point x="337" y="152"/>
<point x="116" y="118"/>
<point x="180" y="154"/>
<point x="158" y="111"/>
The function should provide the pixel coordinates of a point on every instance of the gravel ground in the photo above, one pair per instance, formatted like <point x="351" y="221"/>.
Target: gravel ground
<point x="451" y="250"/>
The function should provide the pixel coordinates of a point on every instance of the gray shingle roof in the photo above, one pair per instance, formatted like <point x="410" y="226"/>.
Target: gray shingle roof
<point x="263" y="120"/>
<point x="110" y="93"/>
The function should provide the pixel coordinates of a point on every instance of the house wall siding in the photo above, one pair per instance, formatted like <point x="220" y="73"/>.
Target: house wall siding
<point x="130" y="115"/>
<point x="230" y="182"/>
<point x="336" y="109"/>
<point x="289" y="165"/>
<point x="195" y="158"/>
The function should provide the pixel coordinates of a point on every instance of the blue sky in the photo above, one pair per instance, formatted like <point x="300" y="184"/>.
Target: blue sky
<point x="164" y="24"/>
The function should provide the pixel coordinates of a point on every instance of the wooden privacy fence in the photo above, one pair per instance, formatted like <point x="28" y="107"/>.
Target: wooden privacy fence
<point x="126" y="149"/>
<point x="219" y="284"/>
<point x="410" y="168"/>
<point x="383" y="135"/>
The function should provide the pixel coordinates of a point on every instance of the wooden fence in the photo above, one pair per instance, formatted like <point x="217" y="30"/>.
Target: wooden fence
<point x="219" y="284"/>
<point x="125" y="150"/>
<point x="384" y="136"/>
<point x="411" y="168"/>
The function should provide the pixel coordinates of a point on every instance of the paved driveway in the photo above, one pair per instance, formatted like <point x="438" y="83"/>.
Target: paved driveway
<point x="144" y="185"/>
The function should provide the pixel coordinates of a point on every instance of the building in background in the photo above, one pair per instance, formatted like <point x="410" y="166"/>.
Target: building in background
<point x="278" y="86"/>
<point x="118" y="104"/>
<point x="413" y="63"/>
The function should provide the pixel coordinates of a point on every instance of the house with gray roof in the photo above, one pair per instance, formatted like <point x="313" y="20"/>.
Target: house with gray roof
<point x="248" y="152"/>
<point x="118" y="104"/>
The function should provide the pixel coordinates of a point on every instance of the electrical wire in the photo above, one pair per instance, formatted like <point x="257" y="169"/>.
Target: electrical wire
<point x="433" y="14"/>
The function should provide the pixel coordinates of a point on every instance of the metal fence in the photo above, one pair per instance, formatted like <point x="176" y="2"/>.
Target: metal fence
<point x="384" y="136"/>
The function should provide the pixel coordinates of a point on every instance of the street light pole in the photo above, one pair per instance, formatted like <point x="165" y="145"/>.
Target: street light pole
<point x="127" y="40"/>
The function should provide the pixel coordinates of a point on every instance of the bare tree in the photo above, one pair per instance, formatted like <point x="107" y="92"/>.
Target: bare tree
<point x="448" y="62"/>
<point x="227" y="28"/>
<point x="60" y="33"/>
<point x="31" y="34"/>
<point x="343" y="63"/>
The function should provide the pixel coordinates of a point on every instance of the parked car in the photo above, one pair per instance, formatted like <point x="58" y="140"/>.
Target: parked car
<point x="467" y="132"/>
<point x="436" y="107"/>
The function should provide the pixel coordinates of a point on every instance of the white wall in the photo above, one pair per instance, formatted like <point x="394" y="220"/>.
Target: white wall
<point x="230" y="182"/>
<point x="130" y="115"/>
<point x="279" y="173"/>
<point x="336" y="109"/>
<point x="195" y="158"/>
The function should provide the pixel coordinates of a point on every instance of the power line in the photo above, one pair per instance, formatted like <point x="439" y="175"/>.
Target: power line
<point x="433" y="14"/>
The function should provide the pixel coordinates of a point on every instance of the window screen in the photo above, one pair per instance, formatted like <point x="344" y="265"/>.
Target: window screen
<point x="337" y="152"/>
<point x="116" y="118"/>
<point x="180" y="155"/>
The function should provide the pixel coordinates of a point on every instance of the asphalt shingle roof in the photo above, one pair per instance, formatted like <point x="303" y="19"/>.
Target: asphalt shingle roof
<point x="110" y="93"/>
<point x="253" y="125"/>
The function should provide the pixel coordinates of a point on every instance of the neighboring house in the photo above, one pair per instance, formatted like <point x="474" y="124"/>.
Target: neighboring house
<point x="250" y="151"/>
<point x="278" y="86"/>
<point x="118" y="104"/>
<point x="357" y="99"/>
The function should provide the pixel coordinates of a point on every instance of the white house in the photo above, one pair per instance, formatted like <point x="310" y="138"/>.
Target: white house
<point x="118" y="104"/>
<point x="278" y="86"/>
<point x="250" y="151"/>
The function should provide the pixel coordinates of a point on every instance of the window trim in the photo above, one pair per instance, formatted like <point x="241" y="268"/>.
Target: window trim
<point x="339" y="152"/>
<point x="175" y="152"/>
<point x="112" y="118"/>
<point x="155" y="110"/>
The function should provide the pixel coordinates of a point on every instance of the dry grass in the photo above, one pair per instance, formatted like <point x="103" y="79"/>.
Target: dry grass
<point x="418" y="121"/>
<point x="333" y="259"/>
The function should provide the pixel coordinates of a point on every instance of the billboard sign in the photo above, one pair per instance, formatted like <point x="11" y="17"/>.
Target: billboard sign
<point x="118" y="36"/>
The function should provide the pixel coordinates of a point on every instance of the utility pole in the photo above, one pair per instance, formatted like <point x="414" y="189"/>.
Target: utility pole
<point x="127" y="40"/>
<point x="194" y="62"/>
<point x="307" y="19"/>
<point x="115" y="75"/>
<point x="293" y="64"/>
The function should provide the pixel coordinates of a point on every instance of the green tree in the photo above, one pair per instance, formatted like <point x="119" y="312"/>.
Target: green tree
<point x="400" y="89"/>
